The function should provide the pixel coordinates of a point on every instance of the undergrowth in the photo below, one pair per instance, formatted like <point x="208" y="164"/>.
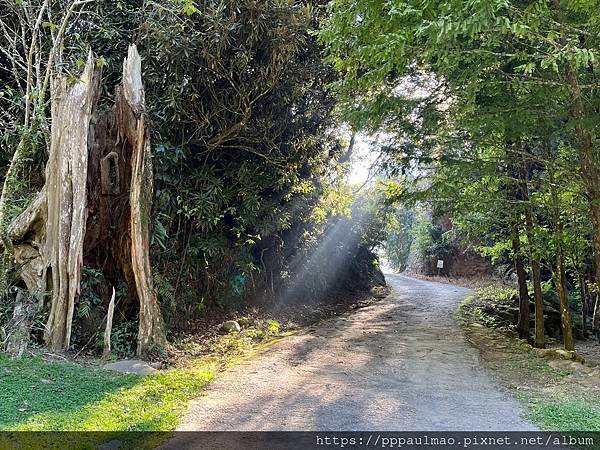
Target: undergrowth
<point x="553" y="400"/>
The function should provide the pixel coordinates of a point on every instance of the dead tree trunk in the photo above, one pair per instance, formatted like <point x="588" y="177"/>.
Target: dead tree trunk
<point x="95" y="205"/>
<point x="66" y="174"/>
<point x="108" y="329"/>
<point x="118" y="235"/>
<point x="131" y="120"/>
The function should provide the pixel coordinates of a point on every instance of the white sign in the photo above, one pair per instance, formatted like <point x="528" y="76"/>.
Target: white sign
<point x="440" y="264"/>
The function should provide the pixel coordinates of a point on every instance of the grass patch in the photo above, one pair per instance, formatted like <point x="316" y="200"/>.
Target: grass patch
<point x="36" y="395"/>
<point x="39" y="396"/>
<point x="500" y="294"/>
<point x="565" y="415"/>
<point x="150" y="403"/>
<point x="33" y="388"/>
<point x="42" y="396"/>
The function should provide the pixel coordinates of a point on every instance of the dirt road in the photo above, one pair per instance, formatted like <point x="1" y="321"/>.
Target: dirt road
<point x="400" y="364"/>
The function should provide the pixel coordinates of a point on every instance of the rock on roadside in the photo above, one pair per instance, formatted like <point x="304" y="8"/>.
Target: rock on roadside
<point x="131" y="366"/>
<point x="229" y="326"/>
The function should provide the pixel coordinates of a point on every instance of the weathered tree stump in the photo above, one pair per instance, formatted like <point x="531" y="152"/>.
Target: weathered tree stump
<point x="131" y="119"/>
<point x="95" y="205"/>
<point x="66" y="177"/>
<point x="118" y="238"/>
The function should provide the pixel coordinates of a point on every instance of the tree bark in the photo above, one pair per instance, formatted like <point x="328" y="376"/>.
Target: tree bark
<point x="559" y="275"/>
<point x="584" y="305"/>
<point x="523" y="324"/>
<point x="118" y="234"/>
<point x="9" y="189"/>
<point x="101" y="166"/>
<point x="560" y="280"/>
<point x="536" y="280"/>
<point x="534" y="258"/>
<point x="66" y="174"/>
<point x="28" y="233"/>
<point x="22" y="321"/>
<point x="590" y="173"/>
<point x="132" y="122"/>
<point x="515" y="196"/>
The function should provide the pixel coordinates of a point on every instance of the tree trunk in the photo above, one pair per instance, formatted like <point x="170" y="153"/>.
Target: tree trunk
<point x="534" y="258"/>
<point x="560" y="281"/>
<point x="27" y="234"/>
<point x="540" y="340"/>
<point x="515" y="196"/>
<point x="9" y="190"/>
<point x="536" y="280"/>
<point x="22" y="321"/>
<point x="584" y="304"/>
<point x="66" y="173"/>
<point x="559" y="275"/>
<point x="131" y="119"/>
<point x="523" y="324"/>
<point x="118" y="238"/>
<point x="590" y="173"/>
<point x="591" y="177"/>
<point x="95" y="205"/>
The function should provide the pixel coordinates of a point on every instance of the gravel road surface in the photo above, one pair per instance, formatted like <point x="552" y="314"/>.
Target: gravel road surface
<point x="399" y="364"/>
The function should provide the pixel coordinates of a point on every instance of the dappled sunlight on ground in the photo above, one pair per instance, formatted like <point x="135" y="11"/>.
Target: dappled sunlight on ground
<point x="399" y="364"/>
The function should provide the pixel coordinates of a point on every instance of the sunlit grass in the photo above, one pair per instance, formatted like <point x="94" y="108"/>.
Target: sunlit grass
<point x="37" y="395"/>
<point x="41" y="396"/>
